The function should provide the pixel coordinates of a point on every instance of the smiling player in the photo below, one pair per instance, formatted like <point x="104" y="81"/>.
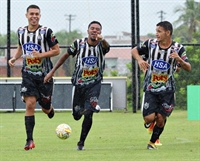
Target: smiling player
<point x="36" y="45"/>
<point x="87" y="76"/>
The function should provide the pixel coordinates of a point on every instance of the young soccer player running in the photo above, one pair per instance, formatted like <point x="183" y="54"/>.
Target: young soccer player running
<point x="162" y="55"/>
<point x="37" y="45"/>
<point x="88" y="74"/>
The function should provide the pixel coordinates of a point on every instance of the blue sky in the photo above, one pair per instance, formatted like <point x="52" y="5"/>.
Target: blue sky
<point x="115" y="15"/>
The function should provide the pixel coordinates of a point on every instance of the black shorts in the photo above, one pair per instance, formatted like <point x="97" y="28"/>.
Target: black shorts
<point x="33" y="86"/>
<point x="86" y="97"/>
<point x="161" y="102"/>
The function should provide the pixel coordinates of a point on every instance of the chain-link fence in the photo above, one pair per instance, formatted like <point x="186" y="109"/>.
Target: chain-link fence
<point x="74" y="15"/>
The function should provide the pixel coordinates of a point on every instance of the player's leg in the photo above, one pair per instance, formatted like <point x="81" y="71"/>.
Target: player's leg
<point x="150" y="114"/>
<point x="86" y="126"/>
<point x="77" y="102"/>
<point x="166" y="107"/>
<point x="157" y="130"/>
<point x="44" y="100"/>
<point x="29" y="95"/>
<point x="29" y="121"/>
<point x="90" y="106"/>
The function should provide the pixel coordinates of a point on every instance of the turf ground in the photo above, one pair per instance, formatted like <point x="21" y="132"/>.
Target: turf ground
<point x="115" y="136"/>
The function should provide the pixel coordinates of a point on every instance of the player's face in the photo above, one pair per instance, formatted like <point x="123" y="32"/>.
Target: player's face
<point x="93" y="31"/>
<point x="33" y="16"/>
<point x="161" y="33"/>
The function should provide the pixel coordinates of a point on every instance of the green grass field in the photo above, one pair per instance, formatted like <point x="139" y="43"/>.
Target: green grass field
<point x="115" y="136"/>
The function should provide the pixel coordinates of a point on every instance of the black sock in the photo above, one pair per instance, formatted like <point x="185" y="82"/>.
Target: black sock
<point x="156" y="133"/>
<point x="29" y="125"/>
<point x="86" y="126"/>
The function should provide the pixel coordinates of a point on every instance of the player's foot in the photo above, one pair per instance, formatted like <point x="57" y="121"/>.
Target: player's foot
<point x="150" y="129"/>
<point x="98" y="108"/>
<point x="147" y="125"/>
<point x="158" y="143"/>
<point x="80" y="146"/>
<point x="51" y="113"/>
<point x="29" y="145"/>
<point x="151" y="146"/>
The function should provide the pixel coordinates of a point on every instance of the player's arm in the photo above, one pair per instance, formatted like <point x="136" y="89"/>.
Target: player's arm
<point x="142" y="63"/>
<point x="53" y="44"/>
<point x="17" y="55"/>
<point x="60" y="61"/>
<point x="55" y="50"/>
<point x="183" y="61"/>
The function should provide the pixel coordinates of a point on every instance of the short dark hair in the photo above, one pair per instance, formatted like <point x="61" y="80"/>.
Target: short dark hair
<point x="32" y="6"/>
<point x="93" y="23"/>
<point x="166" y="25"/>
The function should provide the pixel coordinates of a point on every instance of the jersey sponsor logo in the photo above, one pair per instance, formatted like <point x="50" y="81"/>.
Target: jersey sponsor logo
<point x="153" y="44"/>
<point x="43" y="31"/>
<point x="53" y="38"/>
<point x="160" y="65"/>
<point x="174" y="49"/>
<point x="90" y="73"/>
<point x="90" y="60"/>
<point x="21" y="31"/>
<point x="72" y="48"/>
<point x="82" y="44"/>
<point x="31" y="61"/>
<point x="159" y="78"/>
<point x="30" y="46"/>
<point x="39" y="37"/>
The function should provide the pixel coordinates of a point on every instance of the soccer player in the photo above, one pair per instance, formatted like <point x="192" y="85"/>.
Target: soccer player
<point x="88" y="74"/>
<point x="163" y="54"/>
<point x="37" y="44"/>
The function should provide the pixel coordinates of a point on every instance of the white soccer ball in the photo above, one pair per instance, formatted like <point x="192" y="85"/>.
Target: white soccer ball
<point x="63" y="131"/>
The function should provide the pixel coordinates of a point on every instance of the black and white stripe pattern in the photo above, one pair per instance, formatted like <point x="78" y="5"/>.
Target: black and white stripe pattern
<point x="40" y="38"/>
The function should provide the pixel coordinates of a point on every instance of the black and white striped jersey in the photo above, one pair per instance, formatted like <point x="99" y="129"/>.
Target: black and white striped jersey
<point x="160" y="74"/>
<point x="90" y="62"/>
<point x="40" y="40"/>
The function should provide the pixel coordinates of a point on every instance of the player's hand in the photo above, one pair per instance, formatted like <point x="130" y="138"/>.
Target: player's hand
<point x="36" y="54"/>
<point x="175" y="55"/>
<point x="48" y="77"/>
<point x="99" y="37"/>
<point x="143" y="65"/>
<point x="11" y="62"/>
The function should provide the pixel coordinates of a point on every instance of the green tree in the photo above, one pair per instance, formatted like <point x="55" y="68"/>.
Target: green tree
<point x="189" y="20"/>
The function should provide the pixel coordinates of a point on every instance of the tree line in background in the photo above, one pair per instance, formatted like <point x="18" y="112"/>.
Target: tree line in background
<point x="186" y="31"/>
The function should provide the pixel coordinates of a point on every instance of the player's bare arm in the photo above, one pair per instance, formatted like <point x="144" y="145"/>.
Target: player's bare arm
<point x="142" y="64"/>
<point x="55" y="50"/>
<point x="57" y="65"/>
<point x="17" y="55"/>
<point x="185" y="65"/>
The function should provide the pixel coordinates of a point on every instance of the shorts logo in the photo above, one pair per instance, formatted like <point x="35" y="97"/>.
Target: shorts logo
<point x="93" y="101"/>
<point x="146" y="105"/>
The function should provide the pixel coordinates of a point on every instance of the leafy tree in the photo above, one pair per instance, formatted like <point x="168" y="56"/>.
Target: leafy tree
<point x="189" y="20"/>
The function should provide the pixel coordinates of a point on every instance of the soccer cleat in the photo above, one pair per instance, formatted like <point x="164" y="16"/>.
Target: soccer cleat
<point x="51" y="113"/>
<point x="150" y="129"/>
<point x="158" y="143"/>
<point x="29" y="145"/>
<point x="151" y="147"/>
<point x="98" y="108"/>
<point x="149" y="124"/>
<point x="80" y="146"/>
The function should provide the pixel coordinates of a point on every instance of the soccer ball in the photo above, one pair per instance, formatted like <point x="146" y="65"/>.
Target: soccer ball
<point x="63" y="131"/>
